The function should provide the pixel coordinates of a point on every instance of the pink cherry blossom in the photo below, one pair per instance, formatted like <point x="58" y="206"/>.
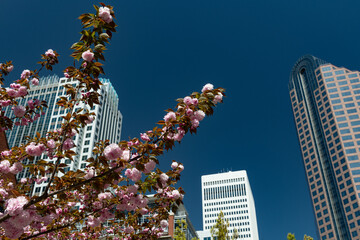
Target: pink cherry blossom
<point x="5" y="103"/>
<point x="12" y="92"/>
<point x="93" y="222"/>
<point x="34" y="149"/>
<point x="169" y="116"/>
<point x="149" y="166"/>
<point x="187" y="100"/>
<point x="35" y="81"/>
<point x="16" y="168"/>
<point x="97" y="205"/>
<point x="10" y="68"/>
<point x="189" y="112"/>
<point x="19" y="111"/>
<point x="50" y="53"/>
<point x="164" y="223"/>
<point x="126" y="155"/>
<point x="179" y="135"/>
<point x="25" y="121"/>
<point x="90" y="119"/>
<point x="22" y="91"/>
<point x="174" y="165"/>
<point x="4" y="166"/>
<point x="87" y="56"/>
<point x="175" y="193"/>
<point x="207" y="87"/>
<point x="15" y="205"/>
<point x="133" y="174"/>
<point x="218" y="98"/>
<point x="113" y="151"/>
<point x="12" y="231"/>
<point x="144" y="137"/>
<point x="180" y="168"/>
<point x="51" y="143"/>
<point x="90" y="173"/>
<point x="104" y="14"/>
<point x="68" y="144"/>
<point x="66" y="75"/>
<point x="15" y="85"/>
<point x="103" y="196"/>
<point x="164" y="177"/>
<point x="25" y="74"/>
<point x="129" y="229"/>
<point x="6" y="153"/>
<point x="143" y="211"/>
<point x="40" y="180"/>
<point x="195" y="101"/>
<point x="3" y="193"/>
<point x="31" y="104"/>
<point x="72" y="133"/>
<point x="199" y="115"/>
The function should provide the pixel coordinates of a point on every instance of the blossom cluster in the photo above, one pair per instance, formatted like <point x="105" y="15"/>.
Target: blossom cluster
<point x="104" y="14"/>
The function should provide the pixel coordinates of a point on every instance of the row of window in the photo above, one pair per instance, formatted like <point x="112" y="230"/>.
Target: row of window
<point x="225" y="202"/>
<point x="217" y="209"/>
<point x="224" y="181"/>
<point x="227" y="214"/>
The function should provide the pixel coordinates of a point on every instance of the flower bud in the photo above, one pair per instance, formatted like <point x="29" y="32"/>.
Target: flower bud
<point x="99" y="47"/>
<point x="74" y="45"/>
<point x="104" y="36"/>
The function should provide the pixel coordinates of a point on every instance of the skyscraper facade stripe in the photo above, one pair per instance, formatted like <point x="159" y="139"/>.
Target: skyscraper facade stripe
<point x="107" y="123"/>
<point x="325" y="101"/>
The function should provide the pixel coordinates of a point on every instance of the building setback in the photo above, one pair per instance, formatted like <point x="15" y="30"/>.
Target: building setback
<point x="107" y="123"/>
<point x="230" y="193"/>
<point x="325" y="101"/>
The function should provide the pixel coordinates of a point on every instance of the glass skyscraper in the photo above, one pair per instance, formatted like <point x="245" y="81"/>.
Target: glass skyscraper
<point x="230" y="193"/>
<point x="325" y="101"/>
<point x="107" y="123"/>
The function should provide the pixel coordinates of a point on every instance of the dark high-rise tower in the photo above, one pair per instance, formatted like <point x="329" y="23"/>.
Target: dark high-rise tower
<point x="325" y="101"/>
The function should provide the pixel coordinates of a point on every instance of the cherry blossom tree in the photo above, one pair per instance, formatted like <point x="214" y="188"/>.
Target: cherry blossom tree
<point x="108" y="197"/>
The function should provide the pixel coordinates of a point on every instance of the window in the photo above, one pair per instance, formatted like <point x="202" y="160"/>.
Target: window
<point x="349" y="137"/>
<point x="341" y="125"/>
<point x="339" y="72"/>
<point x="355" y="123"/>
<point x="350" y="151"/>
<point x="355" y="165"/>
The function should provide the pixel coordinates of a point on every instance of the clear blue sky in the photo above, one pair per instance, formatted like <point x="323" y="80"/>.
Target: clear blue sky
<point x="165" y="49"/>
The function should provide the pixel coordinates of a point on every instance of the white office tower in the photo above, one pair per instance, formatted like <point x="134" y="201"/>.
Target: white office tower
<point x="230" y="193"/>
<point x="107" y="123"/>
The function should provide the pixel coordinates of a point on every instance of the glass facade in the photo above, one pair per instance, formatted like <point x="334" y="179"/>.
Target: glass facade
<point x="325" y="101"/>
